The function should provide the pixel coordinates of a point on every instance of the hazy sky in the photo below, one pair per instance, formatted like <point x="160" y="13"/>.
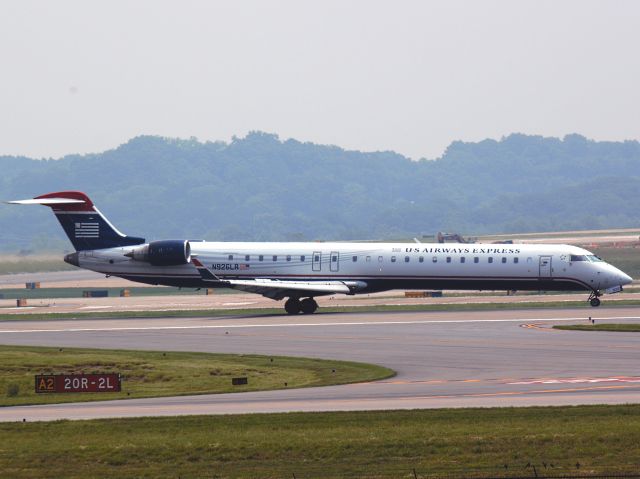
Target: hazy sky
<point x="409" y="76"/>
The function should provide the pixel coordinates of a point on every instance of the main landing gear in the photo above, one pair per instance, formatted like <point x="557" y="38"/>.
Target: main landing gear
<point x="594" y="299"/>
<point x="305" y="306"/>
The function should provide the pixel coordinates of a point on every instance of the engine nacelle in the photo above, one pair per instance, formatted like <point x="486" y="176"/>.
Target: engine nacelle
<point x="163" y="253"/>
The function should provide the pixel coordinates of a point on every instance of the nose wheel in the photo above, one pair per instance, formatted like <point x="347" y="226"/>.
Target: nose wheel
<point x="594" y="299"/>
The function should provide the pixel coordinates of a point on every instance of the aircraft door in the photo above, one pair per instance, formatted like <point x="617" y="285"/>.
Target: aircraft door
<point x="334" y="264"/>
<point x="545" y="266"/>
<point x="316" y="262"/>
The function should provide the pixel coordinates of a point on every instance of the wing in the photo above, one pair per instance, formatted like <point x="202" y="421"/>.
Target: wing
<point x="278" y="289"/>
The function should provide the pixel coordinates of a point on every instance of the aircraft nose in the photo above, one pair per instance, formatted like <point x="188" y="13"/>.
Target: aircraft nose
<point x="625" y="278"/>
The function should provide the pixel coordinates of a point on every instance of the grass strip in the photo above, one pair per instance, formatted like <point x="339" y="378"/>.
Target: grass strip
<point x="19" y="265"/>
<point x="138" y="291"/>
<point x="340" y="309"/>
<point x="154" y="373"/>
<point x="497" y="442"/>
<point x="622" y="328"/>
<point x="55" y="293"/>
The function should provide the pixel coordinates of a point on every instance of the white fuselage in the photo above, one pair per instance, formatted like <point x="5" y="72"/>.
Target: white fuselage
<point x="379" y="266"/>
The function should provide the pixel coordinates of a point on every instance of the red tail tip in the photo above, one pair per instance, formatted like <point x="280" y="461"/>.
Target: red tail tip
<point x="73" y="195"/>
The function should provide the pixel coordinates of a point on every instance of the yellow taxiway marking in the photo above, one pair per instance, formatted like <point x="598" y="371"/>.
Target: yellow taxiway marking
<point x="539" y="327"/>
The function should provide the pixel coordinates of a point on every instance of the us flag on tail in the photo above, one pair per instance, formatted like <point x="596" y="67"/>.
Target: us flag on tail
<point x="87" y="230"/>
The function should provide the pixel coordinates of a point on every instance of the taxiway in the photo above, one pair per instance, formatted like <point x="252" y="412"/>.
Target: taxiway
<point x="443" y="359"/>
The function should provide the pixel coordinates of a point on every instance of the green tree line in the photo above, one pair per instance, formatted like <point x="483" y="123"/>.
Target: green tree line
<point x="262" y="188"/>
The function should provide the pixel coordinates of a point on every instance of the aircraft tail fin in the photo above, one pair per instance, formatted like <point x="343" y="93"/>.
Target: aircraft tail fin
<point x="83" y="223"/>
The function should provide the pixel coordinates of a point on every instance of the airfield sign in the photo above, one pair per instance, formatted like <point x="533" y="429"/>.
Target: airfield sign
<point x="77" y="383"/>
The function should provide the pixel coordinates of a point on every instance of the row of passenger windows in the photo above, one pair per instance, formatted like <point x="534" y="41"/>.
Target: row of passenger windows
<point x="448" y="259"/>
<point x="273" y="258"/>
<point x="407" y="259"/>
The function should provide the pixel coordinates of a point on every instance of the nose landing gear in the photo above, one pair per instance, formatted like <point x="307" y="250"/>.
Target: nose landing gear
<point x="594" y="299"/>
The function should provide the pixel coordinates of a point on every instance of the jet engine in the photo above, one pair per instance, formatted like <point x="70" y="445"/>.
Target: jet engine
<point x="163" y="253"/>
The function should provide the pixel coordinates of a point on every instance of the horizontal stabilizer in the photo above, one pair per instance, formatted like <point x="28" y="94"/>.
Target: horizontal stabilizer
<point x="46" y="201"/>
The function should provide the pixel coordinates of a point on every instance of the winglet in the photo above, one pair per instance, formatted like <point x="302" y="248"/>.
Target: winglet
<point x="205" y="273"/>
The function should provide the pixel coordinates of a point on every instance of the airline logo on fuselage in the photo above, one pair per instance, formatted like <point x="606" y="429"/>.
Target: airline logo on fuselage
<point x="465" y="250"/>
<point x="87" y="230"/>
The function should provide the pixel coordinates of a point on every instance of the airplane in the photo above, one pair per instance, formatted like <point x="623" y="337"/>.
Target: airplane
<point x="302" y="271"/>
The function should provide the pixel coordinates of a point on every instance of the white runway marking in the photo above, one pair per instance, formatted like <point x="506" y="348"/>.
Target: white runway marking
<point x="580" y="380"/>
<point x="302" y="325"/>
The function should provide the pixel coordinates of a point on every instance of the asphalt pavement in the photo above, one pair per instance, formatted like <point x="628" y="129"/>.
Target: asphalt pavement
<point x="443" y="359"/>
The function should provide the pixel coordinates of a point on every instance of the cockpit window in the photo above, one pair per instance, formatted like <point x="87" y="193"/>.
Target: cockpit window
<point x="581" y="257"/>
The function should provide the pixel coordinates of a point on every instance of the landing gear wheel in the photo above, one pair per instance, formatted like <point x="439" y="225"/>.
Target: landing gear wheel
<point x="292" y="306"/>
<point x="308" y="305"/>
<point x="594" y="298"/>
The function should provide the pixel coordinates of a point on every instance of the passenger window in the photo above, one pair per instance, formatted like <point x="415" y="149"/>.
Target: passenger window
<point x="334" y="259"/>
<point x="462" y="259"/>
<point x="288" y="257"/>
<point x="393" y="259"/>
<point x="317" y="258"/>
<point x="406" y="259"/>
<point x="354" y="259"/>
<point x="434" y="259"/>
<point x="302" y="259"/>
<point x="275" y="258"/>
<point x="490" y="259"/>
<point x="247" y="257"/>
<point x="421" y="259"/>
<point x="476" y="259"/>
<point x="448" y="259"/>
<point x="515" y="260"/>
<point x="230" y="257"/>
<point x="260" y="258"/>
<point x="368" y="259"/>
<point x="504" y="260"/>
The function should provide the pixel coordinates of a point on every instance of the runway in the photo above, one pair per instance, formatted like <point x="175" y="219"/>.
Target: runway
<point x="443" y="359"/>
